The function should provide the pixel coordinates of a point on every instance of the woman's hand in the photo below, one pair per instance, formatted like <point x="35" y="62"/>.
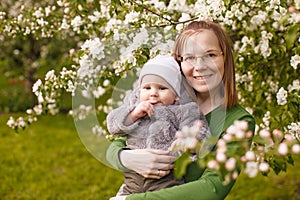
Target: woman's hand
<point x="149" y="163"/>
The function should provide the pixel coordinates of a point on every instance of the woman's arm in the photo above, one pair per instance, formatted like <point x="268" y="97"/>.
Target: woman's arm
<point x="207" y="186"/>
<point x="143" y="161"/>
<point x="112" y="153"/>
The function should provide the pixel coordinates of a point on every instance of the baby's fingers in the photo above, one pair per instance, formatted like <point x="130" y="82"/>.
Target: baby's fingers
<point x="149" y="109"/>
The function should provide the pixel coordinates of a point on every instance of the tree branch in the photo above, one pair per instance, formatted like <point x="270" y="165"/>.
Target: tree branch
<point x="159" y="15"/>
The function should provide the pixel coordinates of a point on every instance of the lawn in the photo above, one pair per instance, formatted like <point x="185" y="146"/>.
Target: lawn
<point x="49" y="161"/>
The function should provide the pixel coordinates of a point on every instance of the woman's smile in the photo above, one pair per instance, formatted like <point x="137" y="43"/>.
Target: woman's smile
<point x="202" y="77"/>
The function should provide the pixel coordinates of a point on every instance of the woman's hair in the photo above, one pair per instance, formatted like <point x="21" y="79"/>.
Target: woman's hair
<point x="229" y="90"/>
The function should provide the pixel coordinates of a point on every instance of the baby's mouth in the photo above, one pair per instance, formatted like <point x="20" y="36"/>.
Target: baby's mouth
<point x="154" y="102"/>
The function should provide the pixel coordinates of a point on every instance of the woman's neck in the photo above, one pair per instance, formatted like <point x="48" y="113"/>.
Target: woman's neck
<point x="209" y="101"/>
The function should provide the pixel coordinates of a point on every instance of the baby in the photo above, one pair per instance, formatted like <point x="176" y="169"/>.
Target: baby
<point x="154" y="119"/>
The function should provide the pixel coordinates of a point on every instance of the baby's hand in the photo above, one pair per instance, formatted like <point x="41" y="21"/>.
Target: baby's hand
<point x="142" y="109"/>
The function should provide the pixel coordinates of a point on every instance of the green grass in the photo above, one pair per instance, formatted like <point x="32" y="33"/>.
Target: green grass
<point x="285" y="186"/>
<point x="48" y="161"/>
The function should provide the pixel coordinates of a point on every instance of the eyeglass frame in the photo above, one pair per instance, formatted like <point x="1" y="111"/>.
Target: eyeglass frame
<point x="182" y="59"/>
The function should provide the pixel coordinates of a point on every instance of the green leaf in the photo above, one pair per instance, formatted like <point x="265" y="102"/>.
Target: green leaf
<point x="97" y="5"/>
<point x="291" y="35"/>
<point x="290" y="159"/>
<point x="259" y="140"/>
<point x="181" y="164"/>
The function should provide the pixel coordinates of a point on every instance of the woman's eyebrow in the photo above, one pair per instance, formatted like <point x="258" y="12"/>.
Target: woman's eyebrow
<point x="188" y="54"/>
<point x="212" y="50"/>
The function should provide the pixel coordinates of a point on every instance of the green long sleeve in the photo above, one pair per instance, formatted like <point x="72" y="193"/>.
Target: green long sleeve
<point x="209" y="186"/>
<point x="112" y="153"/>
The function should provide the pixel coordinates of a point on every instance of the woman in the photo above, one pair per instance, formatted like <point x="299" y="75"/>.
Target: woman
<point x="206" y="59"/>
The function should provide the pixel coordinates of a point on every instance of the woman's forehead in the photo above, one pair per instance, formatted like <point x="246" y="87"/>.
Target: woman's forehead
<point x="203" y="41"/>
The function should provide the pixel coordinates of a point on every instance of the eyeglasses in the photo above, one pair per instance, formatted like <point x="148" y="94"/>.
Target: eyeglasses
<point x="206" y="58"/>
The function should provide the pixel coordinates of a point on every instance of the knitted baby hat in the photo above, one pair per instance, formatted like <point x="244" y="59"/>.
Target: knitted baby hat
<point x="163" y="70"/>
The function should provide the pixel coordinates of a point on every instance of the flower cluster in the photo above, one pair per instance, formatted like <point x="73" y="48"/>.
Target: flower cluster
<point x="238" y="149"/>
<point x="187" y="138"/>
<point x="48" y="95"/>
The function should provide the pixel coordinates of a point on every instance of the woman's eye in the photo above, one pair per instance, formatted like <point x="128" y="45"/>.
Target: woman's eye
<point x="190" y="58"/>
<point x="210" y="55"/>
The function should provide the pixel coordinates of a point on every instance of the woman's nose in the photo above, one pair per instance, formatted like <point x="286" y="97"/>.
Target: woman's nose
<point x="200" y="64"/>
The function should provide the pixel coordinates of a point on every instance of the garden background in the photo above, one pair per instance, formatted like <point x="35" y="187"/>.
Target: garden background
<point x="47" y="160"/>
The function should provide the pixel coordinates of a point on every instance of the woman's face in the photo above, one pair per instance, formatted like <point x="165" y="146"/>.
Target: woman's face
<point x="203" y="62"/>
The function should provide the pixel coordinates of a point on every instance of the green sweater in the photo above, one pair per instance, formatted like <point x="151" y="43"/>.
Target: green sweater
<point x="200" y="183"/>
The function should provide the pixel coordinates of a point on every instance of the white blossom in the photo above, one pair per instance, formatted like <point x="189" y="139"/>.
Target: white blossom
<point x="98" y="92"/>
<point x="221" y="157"/>
<point x="29" y="111"/>
<point x="106" y="83"/>
<point x="266" y="120"/>
<point x="283" y="149"/>
<point x="259" y="19"/>
<point x="95" y="17"/>
<point x="38" y="14"/>
<point x="36" y="86"/>
<point x="178" y="5"/>
<point x="112" y="24"/>
<point x="212" y="164"/>
<point x="295" y="60"/>
<point x="21" y="123"/>
<point x="251" y="169"/>
<point x="186" y="138"/>
<point x="230" y="164"/>
<point x="250" y="156"/>
<point x="296" y="148"/>
<point x="38" y="109"/>
<point x="41" y="22"/>
<point x="294" y="129"/>
<point x="264" y="167"/>
<point x="131" y="17"/>
<point x="50" y="76"/>
<point x="11" y="122"/>
<point x="264" y="133"/>
<point x="76" y="23"/>
<point x="281" y="96"/>
<point x="95" y="47"/>
<point x="294" y="86"/>
<point x="64" y="24"/>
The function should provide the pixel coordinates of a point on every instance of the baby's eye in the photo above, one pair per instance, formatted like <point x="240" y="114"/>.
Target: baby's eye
<point x="146" y="87"/>
<point x="163" y="88"/>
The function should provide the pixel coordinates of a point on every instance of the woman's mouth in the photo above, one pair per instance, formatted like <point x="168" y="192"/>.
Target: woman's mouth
<point x="202" y="77"/>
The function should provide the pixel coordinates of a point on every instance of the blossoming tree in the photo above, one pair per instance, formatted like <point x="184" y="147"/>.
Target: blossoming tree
<point x="124" y="34"/>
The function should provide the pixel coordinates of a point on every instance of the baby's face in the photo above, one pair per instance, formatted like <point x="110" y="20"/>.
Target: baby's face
<point x="157" y="94"/>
